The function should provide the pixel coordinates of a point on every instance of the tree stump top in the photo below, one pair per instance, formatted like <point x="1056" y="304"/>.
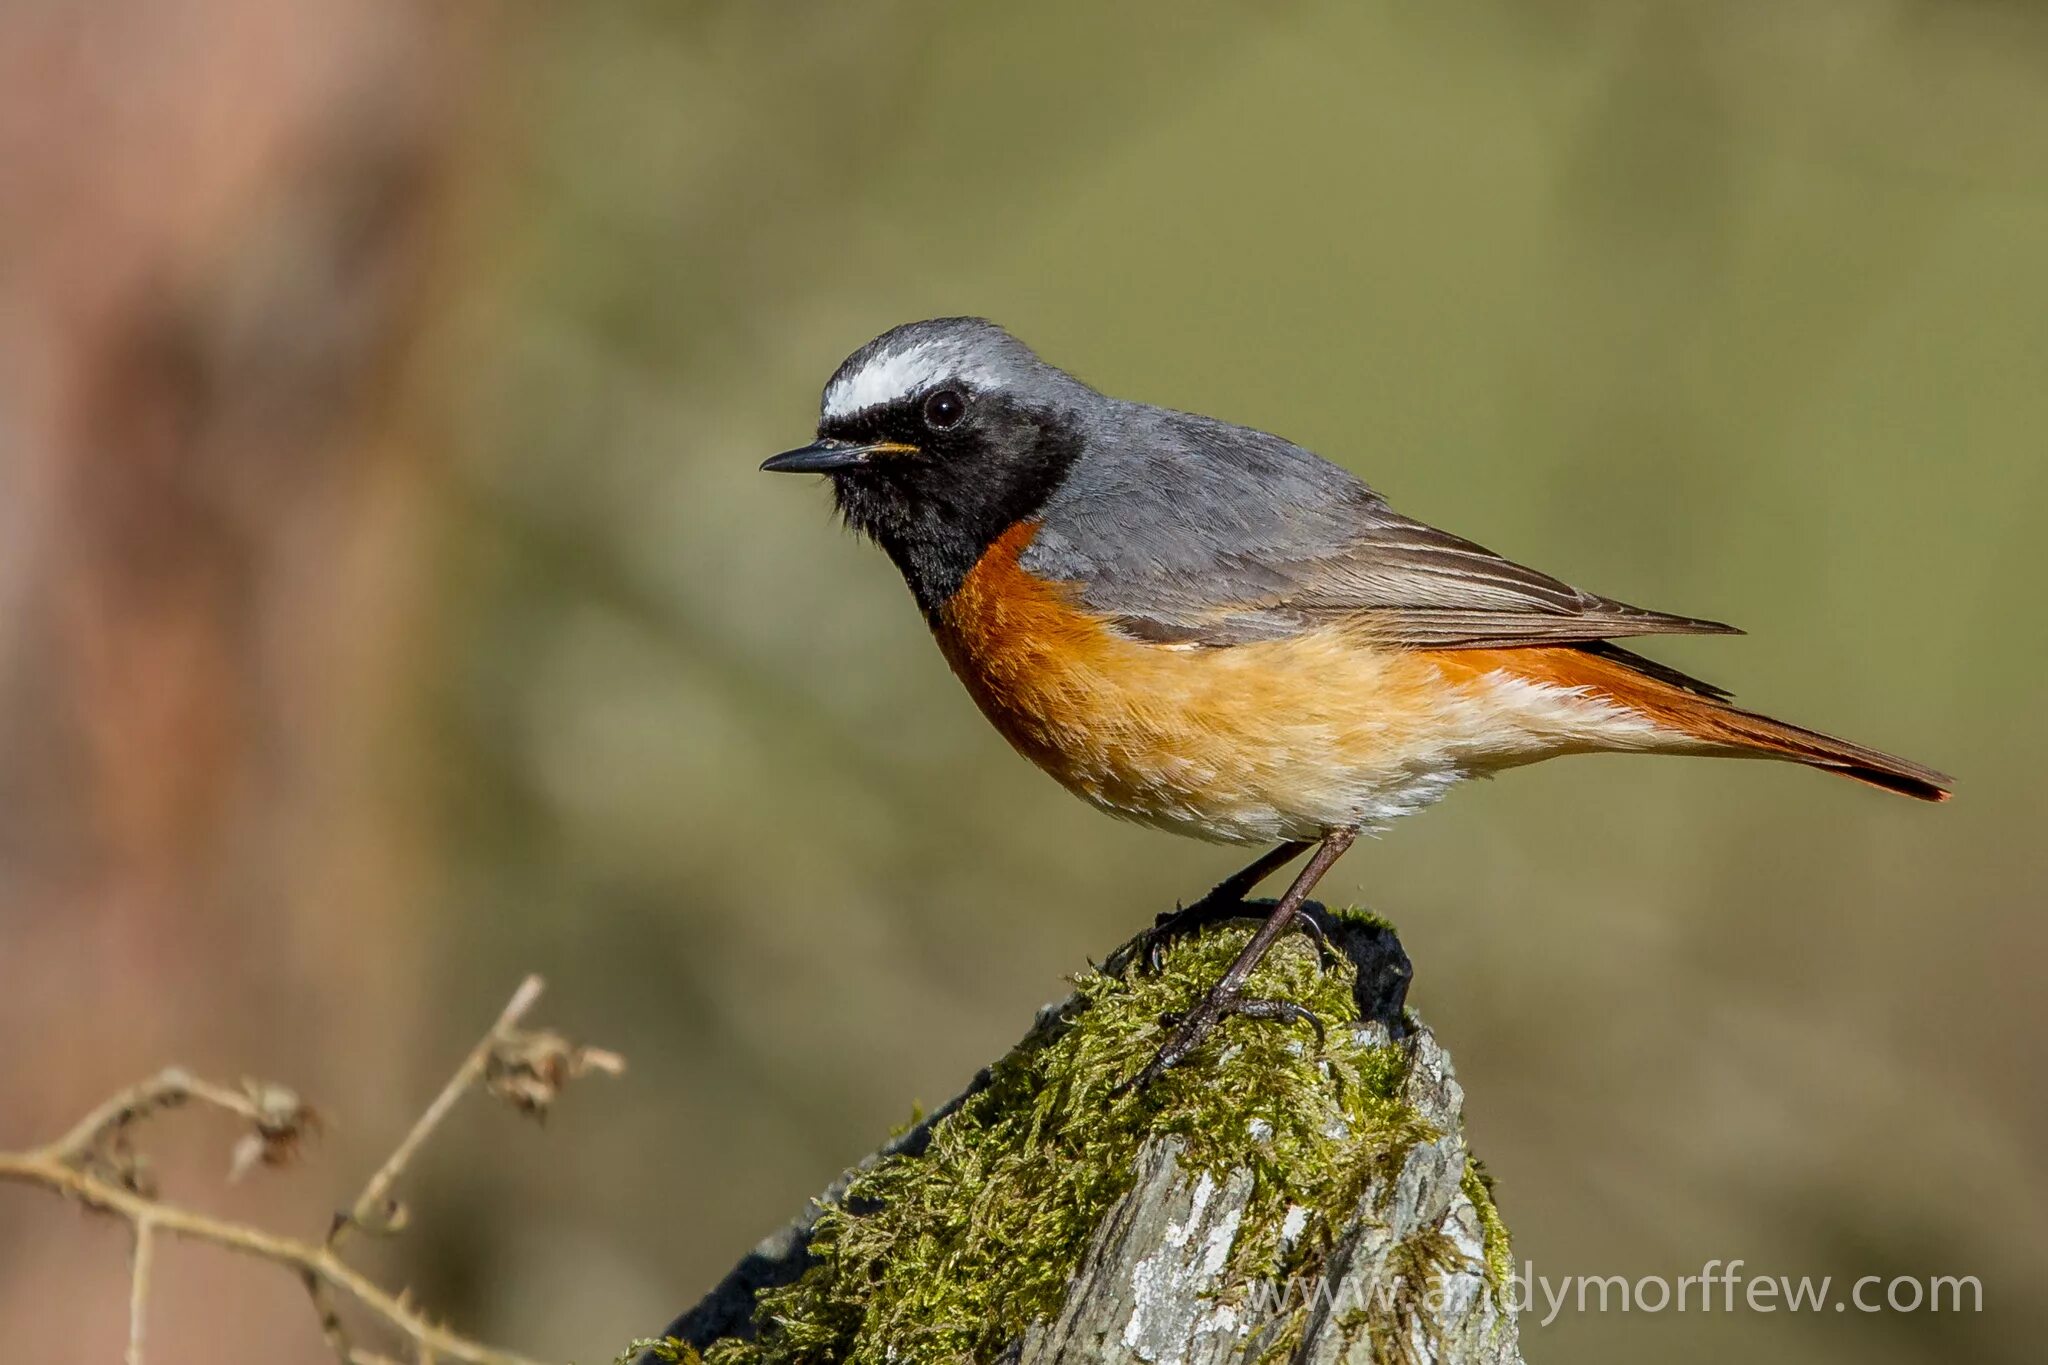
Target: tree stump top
<point x="1272" y="1200"/>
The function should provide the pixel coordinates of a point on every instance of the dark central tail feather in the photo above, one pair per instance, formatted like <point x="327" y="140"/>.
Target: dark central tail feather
<point x="1746" y="732"/>
<point x="1702" y="711"/>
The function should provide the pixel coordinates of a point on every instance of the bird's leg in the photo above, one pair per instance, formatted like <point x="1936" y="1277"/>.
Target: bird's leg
<point x="1227" y="996"/>
<point x="1224" y="902"/>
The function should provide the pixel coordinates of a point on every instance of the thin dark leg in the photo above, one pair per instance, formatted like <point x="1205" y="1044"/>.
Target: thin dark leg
<point x="1227" y="996"/>
<point x="1224" y="902"/>
<point x="1233" y="889"/>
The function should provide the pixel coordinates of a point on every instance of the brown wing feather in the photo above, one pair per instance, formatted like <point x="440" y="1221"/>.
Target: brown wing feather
<point x="1183" y="529"/>
<point x="1442" y="591"/>
<point x="1413" y="587"/>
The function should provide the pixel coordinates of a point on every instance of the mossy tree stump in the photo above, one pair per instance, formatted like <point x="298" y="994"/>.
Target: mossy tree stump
<point x="1272" y="1201"/>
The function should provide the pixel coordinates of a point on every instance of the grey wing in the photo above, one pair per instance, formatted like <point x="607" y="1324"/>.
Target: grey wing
<point x="1200" y="532"/>
<point x="1422" y="588"/>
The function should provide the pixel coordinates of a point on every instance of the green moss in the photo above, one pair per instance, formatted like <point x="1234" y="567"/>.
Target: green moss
<point x="1371" y="919"/>
<point x="1500" y="1257"/>
<point x="1415" y="1266"/>
<point x="665" y="1349"/>
<point x="950" y="1254"/>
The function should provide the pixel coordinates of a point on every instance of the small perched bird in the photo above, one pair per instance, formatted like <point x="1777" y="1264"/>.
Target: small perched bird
<point x="1211" y="630"/>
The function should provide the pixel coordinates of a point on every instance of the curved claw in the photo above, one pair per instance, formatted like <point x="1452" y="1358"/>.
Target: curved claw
<point x="1257" y="1007"/>
<point x="1190" y="1030"/>
<point x="1152" y="947"/>
<point x="1313" y="927"/>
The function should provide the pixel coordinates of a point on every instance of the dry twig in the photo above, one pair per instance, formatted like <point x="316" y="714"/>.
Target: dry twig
<point x="95" y="1164"/>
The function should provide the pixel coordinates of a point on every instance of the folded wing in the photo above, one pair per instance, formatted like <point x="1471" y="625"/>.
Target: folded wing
<point x="1420" y="588"/>
<point x="1186" y="530"/>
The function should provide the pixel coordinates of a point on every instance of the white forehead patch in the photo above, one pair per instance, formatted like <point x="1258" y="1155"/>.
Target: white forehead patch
<point x="898" y="374"/>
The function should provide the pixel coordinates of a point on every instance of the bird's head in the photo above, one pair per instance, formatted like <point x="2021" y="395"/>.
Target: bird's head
<point x="939" y="436"/>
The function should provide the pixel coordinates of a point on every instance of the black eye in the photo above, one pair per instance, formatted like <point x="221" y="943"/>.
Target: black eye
<point x="944" y="409"/>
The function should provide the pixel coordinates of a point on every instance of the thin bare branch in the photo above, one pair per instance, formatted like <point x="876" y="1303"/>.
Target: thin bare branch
<point x="375" y="1201"/>
<point x="275" y="1116"/>
<point x="93" y="1165"/>
<point x="316" y="1261"/>
<point x="166" y="1090"/>
<point x="332" y="1330"/>
<point x="138" y="1287"/>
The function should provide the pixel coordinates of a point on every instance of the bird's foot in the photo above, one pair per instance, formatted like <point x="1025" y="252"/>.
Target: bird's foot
<point x="1174" y="925"/>
<point x="1212" y="1009"/>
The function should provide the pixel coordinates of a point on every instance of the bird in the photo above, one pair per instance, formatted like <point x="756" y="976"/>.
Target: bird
<point x="1210" y="630"/>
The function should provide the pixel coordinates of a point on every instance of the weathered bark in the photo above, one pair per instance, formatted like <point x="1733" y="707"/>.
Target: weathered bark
<point x="1406" y="1277"/>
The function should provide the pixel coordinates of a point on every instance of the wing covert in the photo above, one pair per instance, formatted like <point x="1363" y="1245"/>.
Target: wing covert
<point x="1199" y="532"/>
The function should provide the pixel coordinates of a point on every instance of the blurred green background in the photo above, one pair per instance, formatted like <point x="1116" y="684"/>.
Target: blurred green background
<point x="1735" y="310"/>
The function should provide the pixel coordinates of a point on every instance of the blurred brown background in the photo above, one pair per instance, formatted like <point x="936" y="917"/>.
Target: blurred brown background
<point x="389" y="604"/>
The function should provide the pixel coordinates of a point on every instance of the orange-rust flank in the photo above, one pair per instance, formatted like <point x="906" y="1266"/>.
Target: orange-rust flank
<point x="1235" y="744"/>
<point x="1277" y="739"/>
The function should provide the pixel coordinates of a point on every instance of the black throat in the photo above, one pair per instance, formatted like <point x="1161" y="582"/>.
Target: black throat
<point x="937" y="512"/>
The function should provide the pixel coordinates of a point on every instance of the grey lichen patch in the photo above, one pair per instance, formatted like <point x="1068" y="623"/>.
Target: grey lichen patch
<point x="953" y="1253"/>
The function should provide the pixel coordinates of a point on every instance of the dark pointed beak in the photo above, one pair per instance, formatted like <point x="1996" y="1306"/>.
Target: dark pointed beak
<point x="831" y="457"/>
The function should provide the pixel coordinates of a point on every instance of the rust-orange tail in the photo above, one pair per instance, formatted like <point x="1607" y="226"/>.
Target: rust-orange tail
<point x="1702" y="711"/>
<point x="1747" y="732"/>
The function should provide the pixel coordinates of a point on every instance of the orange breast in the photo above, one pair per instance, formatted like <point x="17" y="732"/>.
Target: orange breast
<point x="1279" y="739"/>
